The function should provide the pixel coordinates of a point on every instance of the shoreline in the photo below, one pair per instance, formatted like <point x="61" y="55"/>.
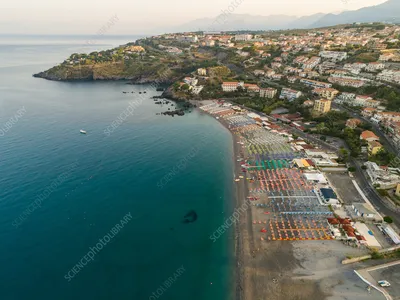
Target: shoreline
<point x="238" y="194"/>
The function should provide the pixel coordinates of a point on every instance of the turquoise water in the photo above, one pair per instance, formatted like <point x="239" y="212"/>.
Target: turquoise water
<point x="88" y="183"/>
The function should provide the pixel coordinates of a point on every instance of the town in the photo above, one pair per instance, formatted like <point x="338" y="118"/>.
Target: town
<point x="315" y="117"/>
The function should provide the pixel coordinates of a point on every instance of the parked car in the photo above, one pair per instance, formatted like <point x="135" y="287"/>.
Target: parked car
<point x="384" y="283"/>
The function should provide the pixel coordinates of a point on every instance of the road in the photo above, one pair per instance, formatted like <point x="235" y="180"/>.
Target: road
<point x="387" y="143"/>
<point x="364" y="274"/>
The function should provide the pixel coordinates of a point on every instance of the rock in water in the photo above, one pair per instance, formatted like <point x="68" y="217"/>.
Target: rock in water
<point x="190" y="217"/>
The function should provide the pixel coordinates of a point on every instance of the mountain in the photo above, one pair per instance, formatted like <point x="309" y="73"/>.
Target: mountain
<point x="385" y="12"/>
<point x="225" y="22"/>
<point x="306" y="21"/>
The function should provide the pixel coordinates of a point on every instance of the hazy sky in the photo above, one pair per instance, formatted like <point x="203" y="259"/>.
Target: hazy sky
<point x="143" y="16"/>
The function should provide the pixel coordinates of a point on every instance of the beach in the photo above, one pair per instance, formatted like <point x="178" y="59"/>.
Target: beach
<point x="286" y="269"/>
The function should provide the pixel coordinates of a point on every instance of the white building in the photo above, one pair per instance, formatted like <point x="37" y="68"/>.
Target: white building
<point x="384" y="178"/>
<point x="188" y="38"/>
<point x="333" y="55"/>
<point x="374" y="66"/>
<point x="243" y="37"/>
<point x="289" y="94"/>
<point x="190" y="81"/>
<point x="390" y="76"/>
<point x="197" y="89"/>
<point x="268" y="92"/>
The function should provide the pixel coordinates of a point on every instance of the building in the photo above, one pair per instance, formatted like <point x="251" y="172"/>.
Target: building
<point x="389" y="76"/>
<point x="328" y="195"/>
<point x="383" y="177"/>
<point x="197" y="89"/>
<point x="398" y="190"/>
<point x="289" y="94"/>
<point x="368" y="136"/>
<point x="374" y="147"/>
<point x="202" y="72"/>
<point x="368" y="112"/>
<point x="252" y="87"/>
<point x="374" y="66"/>
<point x="312" y="62"/>
<point x="135" y="49"/>
<point x="365" y="101"/>
<point x="346" y="82"/>
<point x="243" y="37"/>
<point x="355" y="68"/>
<point x="326" y="93"/>
<point x="209" y="43"/>
<point x="315" y="84"/>
<point x="345" y="98"/>
<point x="268" y="92"/>
<point x="333" y="55"/>
<point x="188" y="38"/>
<point x="387" y="116"/>
<point x="259" y="72"/>
<point x="231" y="86"/>
<point x="322" y="106"/>
<point x="353" y="123"/>
<point x="190" y="81"/>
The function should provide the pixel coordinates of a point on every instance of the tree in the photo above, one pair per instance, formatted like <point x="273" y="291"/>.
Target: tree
<point x="352" y="169"/>
<point x="388" y="220"/>
<point x="343" y="155"/>
<point x="185" y="87"/>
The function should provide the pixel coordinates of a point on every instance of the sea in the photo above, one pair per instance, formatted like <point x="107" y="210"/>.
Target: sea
<point x="102" y="215"/>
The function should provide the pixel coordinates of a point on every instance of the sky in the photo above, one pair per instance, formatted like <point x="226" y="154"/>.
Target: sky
<point x="144" y="16"/>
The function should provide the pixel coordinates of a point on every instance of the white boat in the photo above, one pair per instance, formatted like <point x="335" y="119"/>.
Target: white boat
<point x="82" y="131"/>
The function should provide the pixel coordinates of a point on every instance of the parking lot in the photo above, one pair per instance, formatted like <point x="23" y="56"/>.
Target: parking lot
<point x="344" y="188"/>
<point x="391" y="274"/>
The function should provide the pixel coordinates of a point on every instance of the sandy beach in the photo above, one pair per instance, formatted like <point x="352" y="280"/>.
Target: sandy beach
<point x="288" y="270"/>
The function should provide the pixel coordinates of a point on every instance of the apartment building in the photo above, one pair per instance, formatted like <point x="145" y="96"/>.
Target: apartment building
<point x="389" y="76"/>
<point x="326" y="93"/>
<point x="333" y="55"/>
<point x="374" y="147"/>
<point x="312" y="62"/>
<point x="346" y="82"/>
<point x="381" y="176"/>
<point x="368" y="112"/>
<point x="252" y="87"/>
<point x="374" y="66"/>
<point x="315" y="84"/>
<point x="386" y="116"/>
<point x="268" y="92"/>
<point x="231" y="86"/>
<point x="289" y="94"/>
<point x="322" y="106"/>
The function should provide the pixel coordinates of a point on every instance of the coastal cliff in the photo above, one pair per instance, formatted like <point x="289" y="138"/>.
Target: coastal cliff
<point x="106" y="71"/>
